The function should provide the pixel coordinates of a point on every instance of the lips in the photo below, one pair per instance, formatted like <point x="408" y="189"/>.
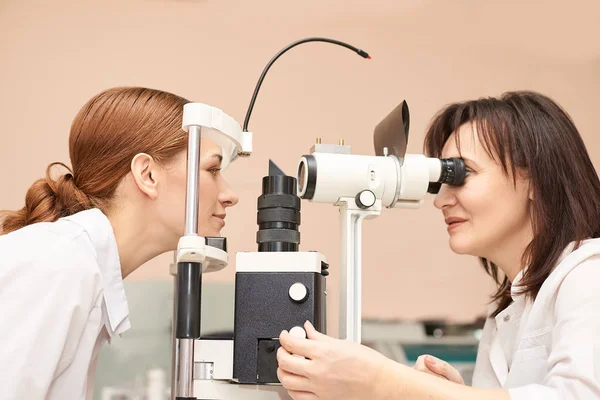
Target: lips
<point x="221" y="217"/>
<point x="454" y="222"/>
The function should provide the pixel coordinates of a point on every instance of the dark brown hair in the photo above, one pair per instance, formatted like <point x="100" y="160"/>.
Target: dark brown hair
<point x="109" y="130"/>
<point x="529" y="132"/>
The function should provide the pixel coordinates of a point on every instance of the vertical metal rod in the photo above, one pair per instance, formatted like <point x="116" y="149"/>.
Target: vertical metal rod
<point x="193" y="180"/>
<point x="350" y="285"/>
<point x="185" y="385"/>
<point x="357" y="236"/>
<point x="351" y="219"/>
<point x="184" y="343"/>
<point x="174" y="344"/>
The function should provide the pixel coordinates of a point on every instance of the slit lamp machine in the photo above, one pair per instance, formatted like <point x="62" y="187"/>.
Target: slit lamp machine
<point x="278" y="286"/>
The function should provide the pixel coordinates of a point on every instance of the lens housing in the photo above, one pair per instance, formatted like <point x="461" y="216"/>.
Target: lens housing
<point x="278" y="215"/>
<point x="307" y="177"/>
<point x="452" y="173"/>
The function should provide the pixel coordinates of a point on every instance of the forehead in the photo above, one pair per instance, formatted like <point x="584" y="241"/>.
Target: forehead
<point x="464" y="142"/>
<point x="209" y="146"/>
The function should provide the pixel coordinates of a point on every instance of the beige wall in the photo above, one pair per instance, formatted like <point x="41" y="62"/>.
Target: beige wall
<point x="56" y="55"/>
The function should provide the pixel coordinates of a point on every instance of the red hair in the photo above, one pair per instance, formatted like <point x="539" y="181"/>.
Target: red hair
<point x="109" y="130"/>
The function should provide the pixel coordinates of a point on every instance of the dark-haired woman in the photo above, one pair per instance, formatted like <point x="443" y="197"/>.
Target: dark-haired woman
<point x="530" y="210"/>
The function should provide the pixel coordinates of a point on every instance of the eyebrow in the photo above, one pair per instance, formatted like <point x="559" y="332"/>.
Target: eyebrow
<point x="215" y="155"/>
<point x="470" y="161"/>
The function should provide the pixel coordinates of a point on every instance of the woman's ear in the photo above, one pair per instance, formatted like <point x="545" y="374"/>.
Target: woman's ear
<point x="145" y="174"/>
<point x="523" y="178"/>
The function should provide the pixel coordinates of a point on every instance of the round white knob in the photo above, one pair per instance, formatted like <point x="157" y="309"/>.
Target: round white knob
<point x="298" y="292"/>
<point x="365" y="199"/>
<point x="298" y="332"/>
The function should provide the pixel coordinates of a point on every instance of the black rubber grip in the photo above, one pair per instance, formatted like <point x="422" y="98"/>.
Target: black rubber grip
<point x="278" y="235"/>
<point x="279" y="200"/>
<point x="189" y="292"/>
<point x="279" y="215"/>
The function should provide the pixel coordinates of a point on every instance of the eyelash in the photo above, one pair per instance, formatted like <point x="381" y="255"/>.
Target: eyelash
<point x="214" y="170"/>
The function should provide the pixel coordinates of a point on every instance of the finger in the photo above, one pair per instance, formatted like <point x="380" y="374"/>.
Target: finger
<point x="295" y="395"/>
<point x="293" y="381"/>
<point x="289" y="363"/>
<point x="441" y="367"/>
<point x="421" y="367"/>
<point x="436" y="365"/>
<point x="420" y="364"/>
<point x="313" y="334"/>
<point x="302" y="347"/>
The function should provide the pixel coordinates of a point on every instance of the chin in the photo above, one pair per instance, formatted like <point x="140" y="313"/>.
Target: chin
<point x="460" y="246"/>
<point x="210" y="226"/>
<point x="209" y="231"/>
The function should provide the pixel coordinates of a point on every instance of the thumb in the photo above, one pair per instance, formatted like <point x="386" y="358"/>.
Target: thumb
<point x="444" y="369"/>
<point x="313" y="334"/>
<point x="434" y="363"/>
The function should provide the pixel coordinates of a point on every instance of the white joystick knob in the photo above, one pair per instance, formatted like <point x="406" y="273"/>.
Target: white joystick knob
<point x="298" y="332"/>
<point x="298" y="292"/>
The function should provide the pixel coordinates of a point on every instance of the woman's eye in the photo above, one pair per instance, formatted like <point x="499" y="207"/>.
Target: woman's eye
<point x="214" y="170"/>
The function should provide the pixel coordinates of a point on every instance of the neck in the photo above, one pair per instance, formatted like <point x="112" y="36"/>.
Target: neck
<point x="136" y="240"/>
<point x="508" y="256"/>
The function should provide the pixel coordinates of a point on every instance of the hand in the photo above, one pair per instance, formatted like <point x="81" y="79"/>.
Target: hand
<point x="333" y="369"/>
<point x="435" y="366"/>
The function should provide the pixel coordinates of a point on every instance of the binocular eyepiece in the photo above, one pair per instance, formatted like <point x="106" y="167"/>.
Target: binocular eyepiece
<point x="326" y="177"/>
<point x="453" y="173"/>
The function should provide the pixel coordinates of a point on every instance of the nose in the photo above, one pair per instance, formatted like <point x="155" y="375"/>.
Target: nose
<point x="227" y="197"/>
<point x="445" y="198"/>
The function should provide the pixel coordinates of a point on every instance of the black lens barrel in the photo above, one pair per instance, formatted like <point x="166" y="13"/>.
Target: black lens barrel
<point x="453" y="173"/>
<point x="278" y="214"/>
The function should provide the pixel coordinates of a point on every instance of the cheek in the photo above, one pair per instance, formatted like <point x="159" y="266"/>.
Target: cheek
<point x="495" y="207"/>
<point x="171" y="205"/>
<point x="474" y="200"/>
<point x="208" y="193"/>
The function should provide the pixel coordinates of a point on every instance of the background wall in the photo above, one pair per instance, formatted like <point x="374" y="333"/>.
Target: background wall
<point x="56" y="55"/>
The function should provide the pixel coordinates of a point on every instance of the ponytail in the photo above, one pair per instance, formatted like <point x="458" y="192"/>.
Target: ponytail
<point x="108" y="131"/>
<point x="47" y="200"/>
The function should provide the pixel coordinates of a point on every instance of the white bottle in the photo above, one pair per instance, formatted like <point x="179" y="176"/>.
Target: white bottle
<point x="156" y="389"/>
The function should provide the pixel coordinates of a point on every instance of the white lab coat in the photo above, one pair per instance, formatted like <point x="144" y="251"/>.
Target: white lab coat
<point x="548" y="349"/>
<point x="61" y="297"/>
